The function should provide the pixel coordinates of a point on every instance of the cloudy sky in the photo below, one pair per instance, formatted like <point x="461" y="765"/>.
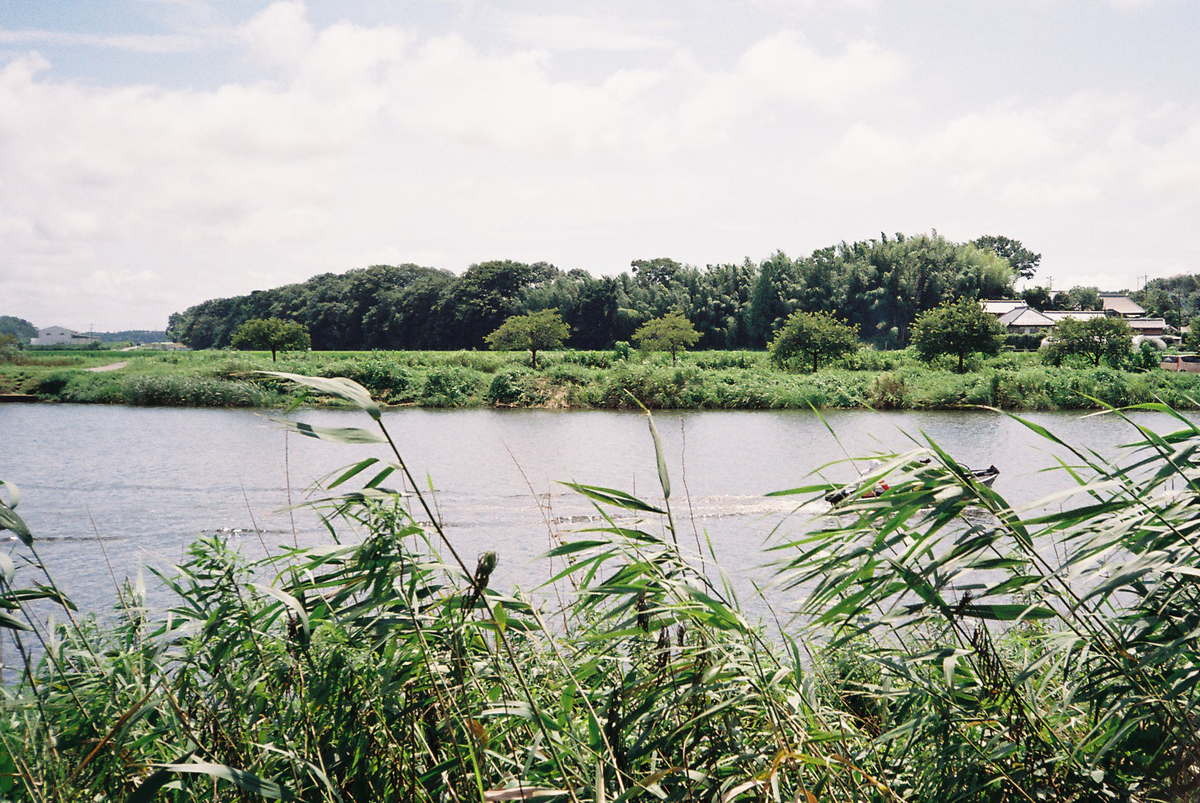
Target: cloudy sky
<point x="158" y="153"/>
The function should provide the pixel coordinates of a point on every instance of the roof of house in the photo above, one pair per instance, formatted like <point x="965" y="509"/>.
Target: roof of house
<point x="1122" y="305"/>
<point x="1078" y="314"/>
<point x="999" y="306"/>
<point x="1025" y="316"/>
<point x="1146" y="323"/>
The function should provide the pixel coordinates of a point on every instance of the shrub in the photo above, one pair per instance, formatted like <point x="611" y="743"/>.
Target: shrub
<point x="450" y="387"/>
<point x="1019" y="342"/>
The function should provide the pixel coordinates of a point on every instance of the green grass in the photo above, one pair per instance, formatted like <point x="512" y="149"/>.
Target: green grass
<point x="592" y="379"/>
<point x="940" y="654"/>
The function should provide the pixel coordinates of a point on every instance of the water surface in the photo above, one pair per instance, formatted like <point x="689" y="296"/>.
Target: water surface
<point x="109" y="489"/>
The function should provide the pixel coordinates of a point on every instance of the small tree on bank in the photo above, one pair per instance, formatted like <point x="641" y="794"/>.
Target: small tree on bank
<point x="1098" y="338"/>
<point x="672" y="332"/>
<point x="273" y="334"/>
<point x="534" y="332"/>
<point x="813" y="336"/>
<point x="959" y="328"/>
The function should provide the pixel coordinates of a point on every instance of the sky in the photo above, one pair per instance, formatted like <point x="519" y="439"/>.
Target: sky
<point x="158" y="153"/>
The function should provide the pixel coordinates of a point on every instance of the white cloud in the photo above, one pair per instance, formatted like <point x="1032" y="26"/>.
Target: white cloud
<point x="280" y="32"/>
<point x="566" y="32"/>
<point x="371" y="143"/>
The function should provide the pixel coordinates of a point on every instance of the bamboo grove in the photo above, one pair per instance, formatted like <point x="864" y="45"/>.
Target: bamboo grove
<point x="879" y="286"/>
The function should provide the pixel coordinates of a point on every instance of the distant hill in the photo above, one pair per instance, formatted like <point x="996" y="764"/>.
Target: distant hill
<point x="19" y="328"/>
<point x="135" y="336"/>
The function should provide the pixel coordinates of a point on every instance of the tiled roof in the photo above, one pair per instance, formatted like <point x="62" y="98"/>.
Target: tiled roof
<point x="999" y="306"/>
<point x="1025" y="316"/>
<point x="1122" y="305"/>
<point x="1078" y="314"/>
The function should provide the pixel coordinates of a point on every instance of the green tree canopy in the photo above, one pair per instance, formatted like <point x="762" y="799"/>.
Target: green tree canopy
<point x="672" y="332"/>
<point x="535" y="331"/>
<point x="1084" y="298"/>
<point x="958" y="328"/>
<point x="1108" y="338"/>
<point x="1191" y="338"/>
<point x="274" y="334"/>
<point x="813" y="336"/>
<point x="21" y="329"/>
<point x="1023" y="261"/>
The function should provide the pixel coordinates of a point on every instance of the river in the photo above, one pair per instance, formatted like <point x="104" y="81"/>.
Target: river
<point x="124" y="487"/>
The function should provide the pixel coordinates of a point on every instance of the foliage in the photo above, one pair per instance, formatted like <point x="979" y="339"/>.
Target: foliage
<point x="271" y="334"/>
<point x="19" y="328"/>
<point x="1191" y="338"/>
<point x="672" y="332"/>
<point x="1027" y="342"/>
<point x="535" y="331"/>
<point x="1101" y="338"/>
<point x="588" y="379"/>
<point x="1080" y="298"/>
<point x="957" y="329"/>
<point x="947" y="648"/>
<point x="813" y="336"/>
<point x="1046" y="658"/>
<point x="133" y="336"/>
<point x="1176" y="298"/>
<point x="1023" y="261"/>
<point x="877" y="285"/>
<point x="8" y="347"/>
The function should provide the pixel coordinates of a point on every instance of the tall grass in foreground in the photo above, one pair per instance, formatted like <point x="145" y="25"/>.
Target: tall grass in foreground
<point x="949" y="648"/>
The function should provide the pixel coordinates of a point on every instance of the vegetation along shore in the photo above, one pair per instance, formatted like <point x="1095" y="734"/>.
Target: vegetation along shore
<point x="710" y="380"/>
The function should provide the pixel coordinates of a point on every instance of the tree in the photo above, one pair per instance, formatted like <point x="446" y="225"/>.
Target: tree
<point x="536" y="332"/>
<point x="813" y="335"/>
<point x="658" y="271"/>
<point x="1191" y="338"/>
<point x="671" y="332"/>
<point x="1038" y="297"/>
<point x="961" y="327"/>
<point x="1084" y="298"/>
<point x="8" y="347"/>
<point x="1022" y="260"/>
<point x="21" y="329"/>
<point x="1103" y="337"/>
<point x="274" y="334"/>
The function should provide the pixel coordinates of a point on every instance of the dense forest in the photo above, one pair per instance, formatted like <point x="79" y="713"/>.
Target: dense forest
<point x="879" y="286"/>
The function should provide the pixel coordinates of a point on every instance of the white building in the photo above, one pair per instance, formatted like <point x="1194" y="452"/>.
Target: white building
<point x="62" y="336"/>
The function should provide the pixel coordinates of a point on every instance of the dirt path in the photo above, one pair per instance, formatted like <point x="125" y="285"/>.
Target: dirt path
<point x="111" y="367"/>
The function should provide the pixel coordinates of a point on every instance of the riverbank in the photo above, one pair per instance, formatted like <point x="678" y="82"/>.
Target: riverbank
<point x="731" y="380"/>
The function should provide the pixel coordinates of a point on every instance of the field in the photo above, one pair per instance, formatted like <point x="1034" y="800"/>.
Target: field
<point x="589" y="379"/>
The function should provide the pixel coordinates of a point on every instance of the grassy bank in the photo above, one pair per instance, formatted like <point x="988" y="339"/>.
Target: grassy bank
<point x="940" y="654"/>
<point x="590" y="379"/>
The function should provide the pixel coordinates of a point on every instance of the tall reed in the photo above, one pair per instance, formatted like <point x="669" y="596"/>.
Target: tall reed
<point x="950" y="647"/>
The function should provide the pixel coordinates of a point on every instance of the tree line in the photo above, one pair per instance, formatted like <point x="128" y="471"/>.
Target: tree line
<point x="879" y="286"/>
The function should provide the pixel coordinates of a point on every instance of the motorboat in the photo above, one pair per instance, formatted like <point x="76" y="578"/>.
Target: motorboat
<point x="984" y="476"/>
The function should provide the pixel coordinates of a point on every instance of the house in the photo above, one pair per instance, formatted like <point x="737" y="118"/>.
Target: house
<point x="1026" y="321"/>
<point x="1074" y="314"/>
<point x="1001" y="306"/>
<point x="1147" y="326"/>
<point x="62" y="336"/>
<point x="1122" y="306"/>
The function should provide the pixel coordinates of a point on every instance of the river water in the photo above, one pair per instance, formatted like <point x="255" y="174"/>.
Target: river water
<point x="107" y="490"/>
